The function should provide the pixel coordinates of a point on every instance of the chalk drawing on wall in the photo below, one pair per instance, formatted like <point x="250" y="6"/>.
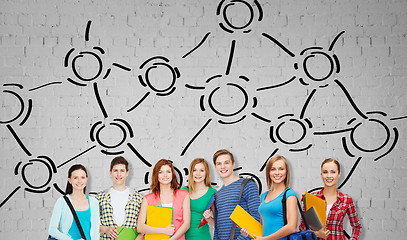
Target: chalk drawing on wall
<point x="87" y="68"/>
<point x="308" y="60"/>
<point x="40" y="184"/>
<point x="228" y="12"/>
<point x="18" y="110"/>
<point x="305" y="75"/>
<point x="354" y="144"/>
<point x="91" y="74"/>
<point x="216" y="89"/>
<point x="287" y="123"/>
<point x="158" y="76"/>
<point x="22" y="112"/>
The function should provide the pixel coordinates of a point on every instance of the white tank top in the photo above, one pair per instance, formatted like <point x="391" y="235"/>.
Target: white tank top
<point x="328" y="209"/>
<point x="119" y="201"/>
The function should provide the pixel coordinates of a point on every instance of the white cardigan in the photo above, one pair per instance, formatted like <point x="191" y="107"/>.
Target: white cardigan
<point x="62" y="219"/>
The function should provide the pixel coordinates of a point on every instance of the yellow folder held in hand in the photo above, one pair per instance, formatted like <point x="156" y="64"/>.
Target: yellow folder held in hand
<point x="318" y="204"/>
<point x="158" y="217"/>
<point x="245" y="220"/>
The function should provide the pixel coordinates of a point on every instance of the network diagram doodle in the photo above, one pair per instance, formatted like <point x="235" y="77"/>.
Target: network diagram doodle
<point x="85" y="75"/>
<point x="96" y="131"/>
<point x="12" y="93"/>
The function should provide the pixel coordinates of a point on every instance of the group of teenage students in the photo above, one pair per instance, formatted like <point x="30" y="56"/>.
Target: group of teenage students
<point x="121" y="206"/>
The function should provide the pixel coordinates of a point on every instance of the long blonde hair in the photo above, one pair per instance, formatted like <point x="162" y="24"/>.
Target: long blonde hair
<point x="191" y="182"/>
<point x="270" y="163"/>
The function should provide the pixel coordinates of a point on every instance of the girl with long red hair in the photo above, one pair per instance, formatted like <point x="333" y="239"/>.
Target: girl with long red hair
<point x="165" y="192"/>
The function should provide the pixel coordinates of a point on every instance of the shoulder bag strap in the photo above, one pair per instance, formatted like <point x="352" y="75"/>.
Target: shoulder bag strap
<point x="75" y="216"/>
<point x="232" y="234"/>
<point x="284" y="202"/>
<point x="302" y="215"/>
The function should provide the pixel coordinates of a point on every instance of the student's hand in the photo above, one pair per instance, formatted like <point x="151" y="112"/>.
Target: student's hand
<point x="207" y="214"/>
<point x="322" y="233"/>
<point x="140" y="236"/>
<point x="258" y="237"/>
<point x="112" y="232"/>
<point x="244" y="232"/>
<point x="169" y="230"/>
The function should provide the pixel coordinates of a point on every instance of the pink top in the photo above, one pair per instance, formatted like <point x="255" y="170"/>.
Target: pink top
<point x="177" y="206"/>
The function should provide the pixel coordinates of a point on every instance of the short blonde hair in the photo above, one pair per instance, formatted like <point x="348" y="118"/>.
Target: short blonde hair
<point x="270" y="163"/>
<point x="207" y="181"/>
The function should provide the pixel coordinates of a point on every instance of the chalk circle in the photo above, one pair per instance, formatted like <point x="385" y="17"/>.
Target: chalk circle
<point x="291" y="132"/>
<point x="111" y="136"/>
<point x="370" y="136"/>
<point x="255" y="178"/>
<point x="238" y="14"/>
<point x="228" y="100"/>
<point x="318" y="66"/>
<point x="160" y="77"/>
<point x="87" y="66"/>
<point x="178" y="173"/>
<point x="36" y="174"/>
<point x="12" y="107"/>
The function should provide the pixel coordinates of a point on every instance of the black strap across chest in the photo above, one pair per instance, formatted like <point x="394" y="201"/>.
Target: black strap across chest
<point x="75" y="216"/>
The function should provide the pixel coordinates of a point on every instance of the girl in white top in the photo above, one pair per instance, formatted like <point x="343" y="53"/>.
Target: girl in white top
<point x="62" y="224"/>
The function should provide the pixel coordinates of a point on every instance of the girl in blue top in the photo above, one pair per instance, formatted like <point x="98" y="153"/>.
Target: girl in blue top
<point x="62" y="224"/>
<point x="271" y="208"/>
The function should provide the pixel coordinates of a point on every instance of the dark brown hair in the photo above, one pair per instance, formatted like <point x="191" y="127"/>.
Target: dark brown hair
<point x="119" y="160"/>
<point x="68" y="189"/>
<point x="332" y="160"/>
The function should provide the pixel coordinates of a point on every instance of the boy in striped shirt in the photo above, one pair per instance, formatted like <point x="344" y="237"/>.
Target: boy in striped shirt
<point x="227" y="197"/>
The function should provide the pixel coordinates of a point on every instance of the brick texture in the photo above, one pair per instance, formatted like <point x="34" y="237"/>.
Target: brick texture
<point x="114" y="98"/>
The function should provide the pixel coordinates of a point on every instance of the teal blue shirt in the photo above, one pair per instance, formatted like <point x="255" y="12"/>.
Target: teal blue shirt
<point x="84" y="219"/>
<point x="272" y="213"/>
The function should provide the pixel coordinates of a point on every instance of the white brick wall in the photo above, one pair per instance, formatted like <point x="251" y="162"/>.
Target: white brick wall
<point x="35" y="37"/>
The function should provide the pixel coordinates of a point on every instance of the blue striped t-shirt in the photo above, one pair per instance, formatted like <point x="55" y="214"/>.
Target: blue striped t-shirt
<point x="226" y="200"/>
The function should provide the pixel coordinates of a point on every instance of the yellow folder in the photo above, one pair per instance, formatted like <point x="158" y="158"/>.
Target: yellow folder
<point x="318" y="204"/>
<point x="245" y="220"/>
<point x="158" y="217"/>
